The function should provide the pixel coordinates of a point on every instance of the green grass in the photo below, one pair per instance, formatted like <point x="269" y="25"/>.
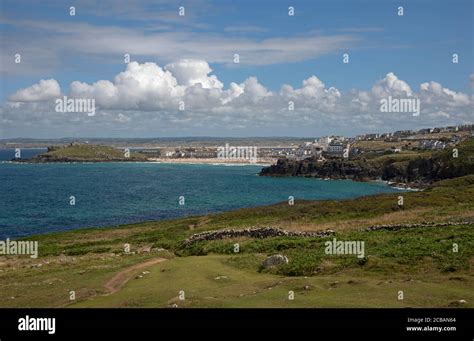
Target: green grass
<point x="213" y="282"/>
<point x="87" y="152"/>
<point x="406" y="250"/>
<point x="24" y="284"/>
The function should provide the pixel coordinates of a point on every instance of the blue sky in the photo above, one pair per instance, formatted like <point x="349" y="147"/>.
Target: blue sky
<point x="88" y="47"/>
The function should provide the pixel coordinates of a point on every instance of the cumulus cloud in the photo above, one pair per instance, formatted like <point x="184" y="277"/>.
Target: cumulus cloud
<point x="252" y="91"/>
<point x="148" y="87"/>
<point x="312" y="94"/>
<point x="140" y="87"/>
<point x="146" y="96"/>
<point x="44" y="90"/>
<point x="189" y="72"/>
<point x="390" y="85"/>
<point x="433" y="92"/>
<point x="368" y="101"/>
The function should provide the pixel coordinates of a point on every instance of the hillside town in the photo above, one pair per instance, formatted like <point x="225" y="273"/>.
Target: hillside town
<point x="336" y="146"/>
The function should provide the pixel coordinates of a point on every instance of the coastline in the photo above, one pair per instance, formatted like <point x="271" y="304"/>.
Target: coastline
<point x="215" y="161"/>
<point x="194" y="161"/>
<point x="402" y="186"/>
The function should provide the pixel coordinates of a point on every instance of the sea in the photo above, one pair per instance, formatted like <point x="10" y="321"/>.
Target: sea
<point x="43" y="198"/>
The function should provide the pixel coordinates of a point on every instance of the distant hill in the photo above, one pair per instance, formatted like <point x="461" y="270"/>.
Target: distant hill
<point x="414" y="168"/>
<point x="170" y="142"/>
<point x="86" y="153"/>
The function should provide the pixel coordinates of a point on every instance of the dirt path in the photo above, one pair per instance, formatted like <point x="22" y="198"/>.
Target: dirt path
<point x="121" y="278"/>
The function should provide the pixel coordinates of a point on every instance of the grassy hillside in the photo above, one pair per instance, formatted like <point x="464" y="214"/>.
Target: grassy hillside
<point x="418" y="261"/>
<point x="86" y="153"/>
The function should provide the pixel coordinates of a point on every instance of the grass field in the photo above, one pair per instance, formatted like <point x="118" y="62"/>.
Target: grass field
<point x="216" y="282"/>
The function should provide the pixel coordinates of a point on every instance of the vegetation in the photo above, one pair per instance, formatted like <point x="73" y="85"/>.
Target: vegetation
<point x="86" y="153"/>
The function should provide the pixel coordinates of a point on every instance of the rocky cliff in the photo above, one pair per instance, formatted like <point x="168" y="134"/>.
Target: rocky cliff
<point x="423" y="168"/>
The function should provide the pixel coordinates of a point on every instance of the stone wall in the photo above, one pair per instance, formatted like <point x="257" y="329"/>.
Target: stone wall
<point x="269" y="232"/>
<point x="255" y="232"/>
<point x="408" y="226"/>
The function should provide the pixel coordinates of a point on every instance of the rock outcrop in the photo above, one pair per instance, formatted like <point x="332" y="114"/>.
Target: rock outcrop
<point x="274" y="260"/>
<point x="415" y="170"/>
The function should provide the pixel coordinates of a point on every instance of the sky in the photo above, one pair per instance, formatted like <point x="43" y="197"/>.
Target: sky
<point x="332" y="62"/>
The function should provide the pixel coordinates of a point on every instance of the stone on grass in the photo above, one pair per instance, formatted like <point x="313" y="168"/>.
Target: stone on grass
<point x="274" y="260"/>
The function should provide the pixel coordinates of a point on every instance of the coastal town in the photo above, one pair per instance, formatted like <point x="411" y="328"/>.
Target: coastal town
<point x="266" y="150"/>
<point x="329" y="146"/>
<point x="438" y="138"/>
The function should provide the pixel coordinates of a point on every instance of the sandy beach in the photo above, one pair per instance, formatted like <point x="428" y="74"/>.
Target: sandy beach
<point x="259" y="161"/>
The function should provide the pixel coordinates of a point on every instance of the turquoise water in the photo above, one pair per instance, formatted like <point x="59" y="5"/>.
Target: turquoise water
<point x="35" y="198"/>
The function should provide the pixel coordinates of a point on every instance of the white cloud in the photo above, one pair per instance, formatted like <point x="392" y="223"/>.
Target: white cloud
<point x="253" y="91"/>
<point x="391" y="85"/>
<point x="433" y="92"/>
<point x="149" y="87"/>
<point x="123" y="118"/>
<point x="193" y="71"/>
<point x="80" y="40"/>
<point x="146" y="96"/>
<point x="44" y="90"/>
<point x="140" y="87"/>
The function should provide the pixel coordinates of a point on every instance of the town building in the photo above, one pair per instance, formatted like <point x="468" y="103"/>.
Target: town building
<point x="335" y="148"/>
